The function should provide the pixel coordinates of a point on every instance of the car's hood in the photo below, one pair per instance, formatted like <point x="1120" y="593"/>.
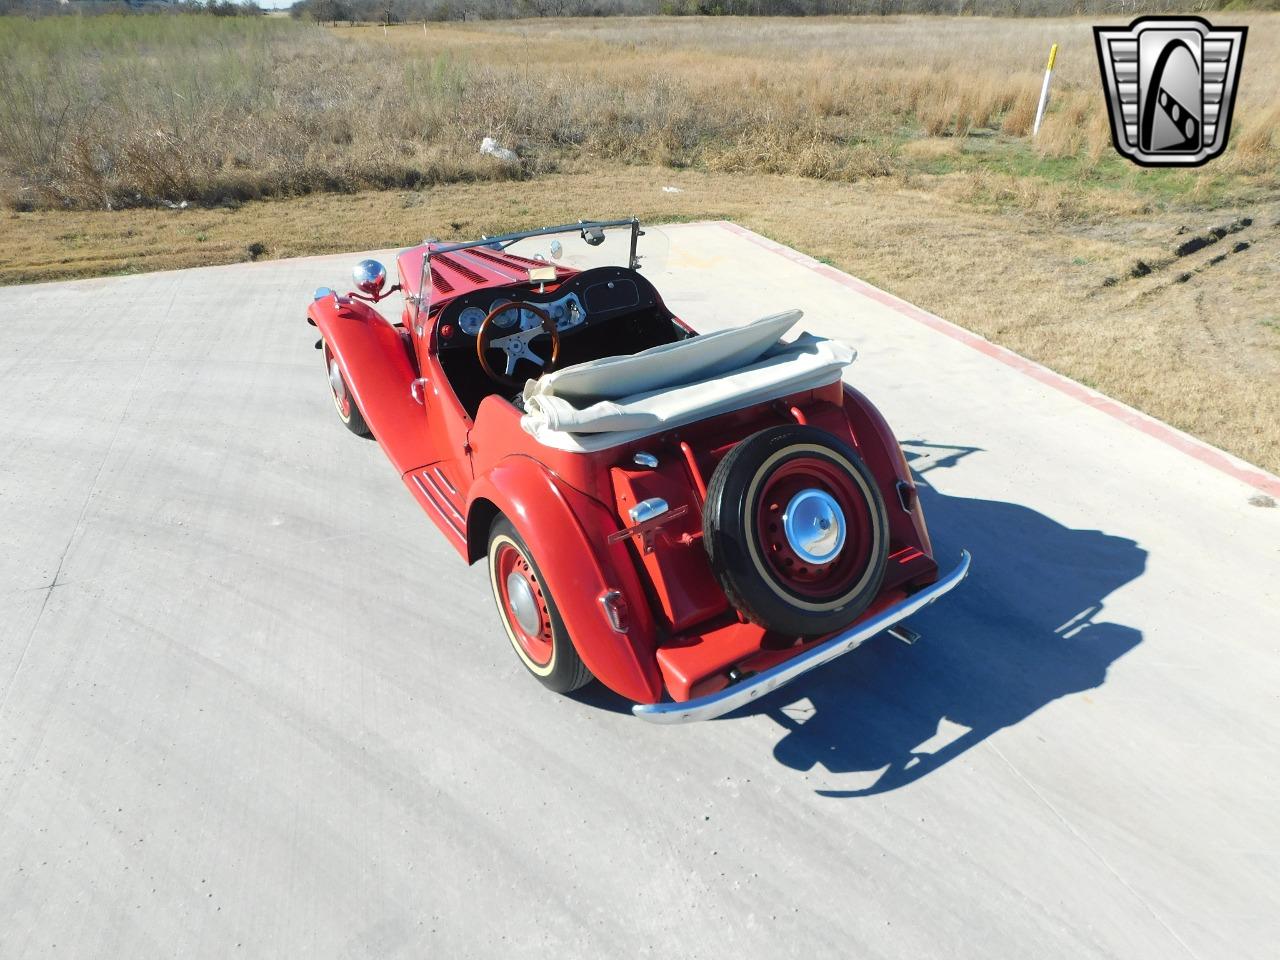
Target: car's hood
<point x="462" y="271"/>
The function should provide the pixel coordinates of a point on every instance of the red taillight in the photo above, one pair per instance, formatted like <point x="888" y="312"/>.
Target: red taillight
<point x="615" y="610"/>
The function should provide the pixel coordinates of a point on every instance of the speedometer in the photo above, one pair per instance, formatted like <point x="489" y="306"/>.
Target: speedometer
<point x="470" y="319"/>
<point x="507" y="318"/>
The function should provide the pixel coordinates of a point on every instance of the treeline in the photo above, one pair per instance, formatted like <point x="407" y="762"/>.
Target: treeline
<point x="44" y="8"/>
<point x="412" y="11"/>
<point x="417" y="11"/>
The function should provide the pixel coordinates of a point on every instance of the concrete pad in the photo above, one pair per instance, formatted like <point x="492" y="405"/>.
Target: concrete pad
<point x="250" y="700"/>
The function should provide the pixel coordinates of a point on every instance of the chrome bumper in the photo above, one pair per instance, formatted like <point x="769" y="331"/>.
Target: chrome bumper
<point x="717" y="704"/>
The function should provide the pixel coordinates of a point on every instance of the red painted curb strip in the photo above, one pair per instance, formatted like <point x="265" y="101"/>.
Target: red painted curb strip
<point x="1211" y="456"/>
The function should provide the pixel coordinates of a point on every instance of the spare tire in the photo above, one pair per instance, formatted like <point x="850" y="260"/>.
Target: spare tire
<point x="796" y="530"/>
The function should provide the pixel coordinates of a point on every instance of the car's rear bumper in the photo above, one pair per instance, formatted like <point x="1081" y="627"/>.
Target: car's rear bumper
<point x="731" y="698"/>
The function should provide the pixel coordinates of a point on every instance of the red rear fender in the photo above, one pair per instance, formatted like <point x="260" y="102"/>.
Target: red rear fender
<point x="378" y="369"/>
<point x="879" y="448"/>
<point x="567" y="532"/>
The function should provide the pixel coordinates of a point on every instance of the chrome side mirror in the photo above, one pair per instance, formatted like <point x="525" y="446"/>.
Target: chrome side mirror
<point x="557" y="250"/>
<point x="370" y="277"/>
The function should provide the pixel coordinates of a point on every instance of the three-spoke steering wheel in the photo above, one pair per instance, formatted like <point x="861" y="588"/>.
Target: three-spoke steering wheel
<point x="516" y="345"/>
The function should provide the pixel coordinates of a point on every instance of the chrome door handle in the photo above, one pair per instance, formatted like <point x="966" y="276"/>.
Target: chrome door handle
<point x="416" y="390"/>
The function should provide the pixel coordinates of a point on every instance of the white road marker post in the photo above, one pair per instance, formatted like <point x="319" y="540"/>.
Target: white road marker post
<point x="1044" y="90"/>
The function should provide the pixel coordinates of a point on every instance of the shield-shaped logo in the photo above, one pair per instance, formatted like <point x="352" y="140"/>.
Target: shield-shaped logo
<point x="1171" y="86"/>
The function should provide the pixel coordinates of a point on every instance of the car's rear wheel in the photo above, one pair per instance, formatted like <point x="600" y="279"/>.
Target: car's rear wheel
<point x="348" y="410"/>
<point x="796" y="530"/>
<point x="529" y="612"/>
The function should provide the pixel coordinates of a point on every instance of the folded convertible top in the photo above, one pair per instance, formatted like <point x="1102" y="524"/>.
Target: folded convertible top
<point x="604" y="403"/>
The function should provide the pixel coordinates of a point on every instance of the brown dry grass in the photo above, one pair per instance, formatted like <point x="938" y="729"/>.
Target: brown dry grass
<point x="1202" y="354"/>
<point x="133" y="111"/>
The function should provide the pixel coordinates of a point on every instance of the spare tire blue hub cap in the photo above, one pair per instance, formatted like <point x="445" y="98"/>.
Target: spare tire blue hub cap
<point x="814" y="525"/>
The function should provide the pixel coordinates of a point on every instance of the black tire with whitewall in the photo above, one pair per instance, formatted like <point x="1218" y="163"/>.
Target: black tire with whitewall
<point x="796" y="530"/>
<point x="529" y="614"/>
<point x="348" y="410"/>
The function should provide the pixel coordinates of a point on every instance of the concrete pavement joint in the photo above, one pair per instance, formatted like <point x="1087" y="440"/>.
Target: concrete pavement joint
<point x="1093" y="850"/>
<point x="88" y="498"/>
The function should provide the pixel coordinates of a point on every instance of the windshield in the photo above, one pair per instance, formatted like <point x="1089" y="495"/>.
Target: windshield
<point x="602" y="247"/>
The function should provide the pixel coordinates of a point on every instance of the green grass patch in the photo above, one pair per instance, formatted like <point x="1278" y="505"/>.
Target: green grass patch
<point x="1017" y="158"/>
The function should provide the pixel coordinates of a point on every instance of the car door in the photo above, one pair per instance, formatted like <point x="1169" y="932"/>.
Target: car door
<point x="444" y="480"/>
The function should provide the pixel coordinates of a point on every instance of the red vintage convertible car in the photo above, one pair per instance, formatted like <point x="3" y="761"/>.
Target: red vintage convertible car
<point x="693" y="520"/>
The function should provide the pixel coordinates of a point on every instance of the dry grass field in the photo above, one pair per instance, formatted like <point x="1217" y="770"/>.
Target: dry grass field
<point x="895" y="148"/>
<point x="134" y="111"/>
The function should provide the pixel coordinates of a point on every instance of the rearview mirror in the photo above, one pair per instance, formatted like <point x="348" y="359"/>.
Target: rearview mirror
<point x="594" y="236"/>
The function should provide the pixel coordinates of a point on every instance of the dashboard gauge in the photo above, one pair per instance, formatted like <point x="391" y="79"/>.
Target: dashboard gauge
<point x="505" y="319"/>
<point x="470" y="319"/>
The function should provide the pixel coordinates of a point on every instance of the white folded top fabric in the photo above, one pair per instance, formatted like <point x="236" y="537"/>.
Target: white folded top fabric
<point x="684" y="361"/>
<point x="604" y="403"/>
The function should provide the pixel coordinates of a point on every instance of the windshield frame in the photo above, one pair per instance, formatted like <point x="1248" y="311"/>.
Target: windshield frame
<point x="507" y="239"/>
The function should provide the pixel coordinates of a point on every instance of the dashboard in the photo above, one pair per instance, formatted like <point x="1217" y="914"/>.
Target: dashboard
<point x="567" y="312"/>
<point x="584" y="300"/>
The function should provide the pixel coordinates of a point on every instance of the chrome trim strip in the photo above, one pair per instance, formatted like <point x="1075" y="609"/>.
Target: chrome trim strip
<point x="443" y="479"/>
<point x="439" y="509"/>
<point x="477" y="264"/>
<point x="717" y="704"/>
<point x="441" y="494"/>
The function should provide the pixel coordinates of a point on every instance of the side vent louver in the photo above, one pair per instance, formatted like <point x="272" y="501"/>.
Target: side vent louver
<point x="457" y="267"/>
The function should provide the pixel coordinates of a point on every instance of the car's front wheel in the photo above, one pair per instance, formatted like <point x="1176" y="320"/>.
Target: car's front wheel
<point x="348" y="410"/>
<point x="529" y="612"/>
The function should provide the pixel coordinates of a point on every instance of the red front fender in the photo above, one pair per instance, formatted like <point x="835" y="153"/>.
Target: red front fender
<point x="376" y="365"/>
<point x="568" y="534"/>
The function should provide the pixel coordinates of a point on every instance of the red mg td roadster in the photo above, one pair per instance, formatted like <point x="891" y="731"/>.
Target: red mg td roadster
<point x="691" y="519"/>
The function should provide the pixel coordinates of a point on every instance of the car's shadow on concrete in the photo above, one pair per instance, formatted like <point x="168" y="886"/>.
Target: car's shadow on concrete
<point x="1023" y="630"/>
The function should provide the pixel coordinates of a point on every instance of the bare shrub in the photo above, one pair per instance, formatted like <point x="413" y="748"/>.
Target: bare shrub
<point x="1256" y="144"/>
<point x="114" y="110"/>
<point x="1020" y="118"/>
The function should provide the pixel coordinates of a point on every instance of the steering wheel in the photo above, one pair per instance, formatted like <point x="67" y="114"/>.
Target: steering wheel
<point x="516" y="345"/>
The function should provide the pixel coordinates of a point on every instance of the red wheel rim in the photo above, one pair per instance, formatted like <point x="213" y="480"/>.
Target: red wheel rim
<point x="527" y="615"/>
<point x="337" y="386"/>
<point x="797" y="575"/>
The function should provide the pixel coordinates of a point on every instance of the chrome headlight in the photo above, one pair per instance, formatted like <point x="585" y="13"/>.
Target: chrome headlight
<point x="370" y="277"/>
